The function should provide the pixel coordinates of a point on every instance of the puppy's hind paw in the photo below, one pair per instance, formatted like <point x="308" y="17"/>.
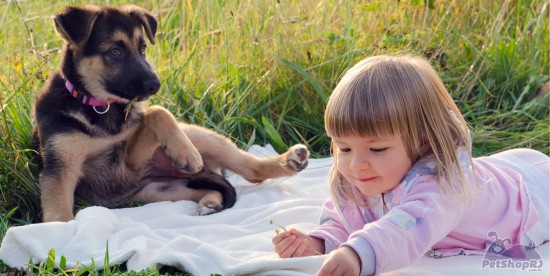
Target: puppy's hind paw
<point x="210" y="204"/>
<point x="207" y="208"/>
<point x="297" y="157"/>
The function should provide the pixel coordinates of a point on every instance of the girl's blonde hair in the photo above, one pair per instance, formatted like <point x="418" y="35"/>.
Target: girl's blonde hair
<point x="397" y="95"/>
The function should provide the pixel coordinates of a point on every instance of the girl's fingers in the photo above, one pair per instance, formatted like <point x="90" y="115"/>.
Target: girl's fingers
<point x="287" y="247"/>
<point x="292" y="243"/>
<point x="329" y="269"/>
<point x="304" y="245"/>
<point x="298" y="233"/>
<point x="279" y="237"/>
<point x="341" y="262"/>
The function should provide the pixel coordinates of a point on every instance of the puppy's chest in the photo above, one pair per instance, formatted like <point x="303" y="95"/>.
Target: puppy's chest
<point x="106" y="180"/>
<point x="104" y="125"/>
<point x="107" y="162"/>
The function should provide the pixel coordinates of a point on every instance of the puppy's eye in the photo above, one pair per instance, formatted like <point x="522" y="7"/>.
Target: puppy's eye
<point x="115" y="52"/>
<point x="142" y="49"/>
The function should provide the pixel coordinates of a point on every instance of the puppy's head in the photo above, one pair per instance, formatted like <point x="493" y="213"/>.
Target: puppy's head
<point x="105" y="50"/>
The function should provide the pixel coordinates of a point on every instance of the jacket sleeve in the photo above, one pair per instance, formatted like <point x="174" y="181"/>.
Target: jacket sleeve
<point x="410" y="229"/>
<point x="331" y="228"/>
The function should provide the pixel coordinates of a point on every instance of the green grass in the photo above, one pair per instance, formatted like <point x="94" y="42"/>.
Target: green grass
<point x="260" y="71"/>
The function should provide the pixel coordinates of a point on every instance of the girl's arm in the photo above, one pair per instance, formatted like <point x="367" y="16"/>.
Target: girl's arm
<point x="420" y="220"/>
<point x="331" y="228"/>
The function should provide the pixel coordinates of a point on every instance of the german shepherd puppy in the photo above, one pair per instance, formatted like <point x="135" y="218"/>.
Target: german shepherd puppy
<point x="98" y="140"/>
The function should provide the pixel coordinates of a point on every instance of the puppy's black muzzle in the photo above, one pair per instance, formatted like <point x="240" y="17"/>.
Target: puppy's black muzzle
<point x="140" y="88"/>
<point x="134" y="79"/>
<point x="146" y="88"/>
<point x="137" y="80"/>
<point x="151" y="85"/>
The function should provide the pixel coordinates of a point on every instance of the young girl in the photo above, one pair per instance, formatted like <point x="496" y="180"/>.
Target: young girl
<point x="404" y="183"/>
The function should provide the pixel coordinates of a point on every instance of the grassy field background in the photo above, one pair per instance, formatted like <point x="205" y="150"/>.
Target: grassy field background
<point x="260" y="71"/>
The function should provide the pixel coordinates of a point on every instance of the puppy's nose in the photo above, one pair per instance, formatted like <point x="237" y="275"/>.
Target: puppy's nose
<point x="152" y="85"/>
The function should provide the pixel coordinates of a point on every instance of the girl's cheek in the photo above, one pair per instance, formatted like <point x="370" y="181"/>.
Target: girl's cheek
<point x="348" y="159"/>
<point x="340" y="162"/>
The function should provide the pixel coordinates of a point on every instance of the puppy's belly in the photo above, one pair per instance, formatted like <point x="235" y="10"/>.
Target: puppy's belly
<point x="159" y="180"/>
<point x="161" y="166"/>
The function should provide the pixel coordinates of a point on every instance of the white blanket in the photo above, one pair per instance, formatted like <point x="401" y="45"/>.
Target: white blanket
<point x="236" y="241"/>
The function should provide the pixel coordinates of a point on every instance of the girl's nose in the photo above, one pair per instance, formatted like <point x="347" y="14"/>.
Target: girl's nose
<point x="360" y="162"/>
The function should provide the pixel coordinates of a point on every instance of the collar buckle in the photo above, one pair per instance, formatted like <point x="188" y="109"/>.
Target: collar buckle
<point x="87" y="99"/>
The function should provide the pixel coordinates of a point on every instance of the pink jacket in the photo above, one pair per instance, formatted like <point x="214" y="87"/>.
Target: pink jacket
<point x="416" y="218"/>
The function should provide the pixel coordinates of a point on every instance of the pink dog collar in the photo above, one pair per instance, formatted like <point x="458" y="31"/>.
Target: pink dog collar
<point x="83" y="98"/>
<point x="88" y="100"/>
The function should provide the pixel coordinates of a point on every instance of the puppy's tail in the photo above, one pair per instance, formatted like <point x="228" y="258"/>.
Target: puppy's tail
<point x="212" y="181"/>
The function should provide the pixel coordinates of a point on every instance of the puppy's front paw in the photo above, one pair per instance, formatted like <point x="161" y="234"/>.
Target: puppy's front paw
<point x="297" y="157"/>
<point x="186" y="159"/>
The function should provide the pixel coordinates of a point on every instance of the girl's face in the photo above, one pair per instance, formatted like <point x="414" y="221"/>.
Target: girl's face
<point x="374" y="165"/>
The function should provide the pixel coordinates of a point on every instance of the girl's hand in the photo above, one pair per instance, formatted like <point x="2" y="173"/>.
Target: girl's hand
<point x="294" y="243"/>
<point x="342" y="261"/>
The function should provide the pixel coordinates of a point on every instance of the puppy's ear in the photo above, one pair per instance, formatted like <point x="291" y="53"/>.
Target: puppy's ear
<point x="147" y="20"/>
<point x="75" y="24"/>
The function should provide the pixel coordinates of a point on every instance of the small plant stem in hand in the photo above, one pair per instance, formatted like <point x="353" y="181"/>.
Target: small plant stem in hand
<point x="281" y="227"/>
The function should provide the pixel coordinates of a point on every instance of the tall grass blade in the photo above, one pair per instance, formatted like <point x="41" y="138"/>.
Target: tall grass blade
<point x="316" y="86"/>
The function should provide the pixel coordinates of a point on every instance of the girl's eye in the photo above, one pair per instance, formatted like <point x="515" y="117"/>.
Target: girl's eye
<point x="344" y="149"/>
<point x="378" y="150"/>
